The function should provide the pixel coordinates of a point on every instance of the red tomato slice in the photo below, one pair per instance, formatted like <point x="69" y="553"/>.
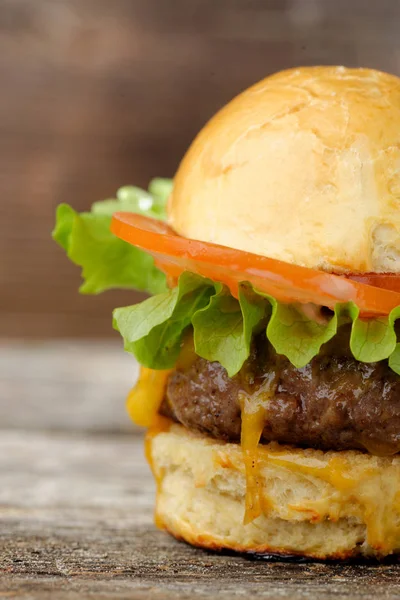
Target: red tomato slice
<point x="284" y="281"/>
<point x="388" y="281"/>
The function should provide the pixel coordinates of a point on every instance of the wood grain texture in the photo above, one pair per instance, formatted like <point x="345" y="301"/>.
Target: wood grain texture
<point x="76" y="522"/>
<point x="76" y="385"/>
<point x="100" y="93"/>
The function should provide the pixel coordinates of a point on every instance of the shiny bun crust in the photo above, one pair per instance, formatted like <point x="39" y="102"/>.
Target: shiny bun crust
<point x="303" y="167"/>
<point x="321" y="505"/>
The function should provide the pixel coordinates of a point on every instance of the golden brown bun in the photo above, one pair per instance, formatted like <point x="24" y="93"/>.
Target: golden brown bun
<point x="304" y="167"/>
<point x="321" y="504"/>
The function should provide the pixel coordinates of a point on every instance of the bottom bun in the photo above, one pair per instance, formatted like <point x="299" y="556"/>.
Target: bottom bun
<point x="315" y="504"/>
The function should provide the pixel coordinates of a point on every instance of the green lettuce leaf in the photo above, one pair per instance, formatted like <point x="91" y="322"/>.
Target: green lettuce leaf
<point x="372" y="340"/>
<point x="394" y="360"/>
<point x="151" y="203"/>
<point x="153" y="330"/>
<point x="106" y="261"/>
<point x="223" y="327"/>
<point x="296" y="335"/>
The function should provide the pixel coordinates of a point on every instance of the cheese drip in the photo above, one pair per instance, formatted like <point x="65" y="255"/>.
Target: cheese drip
<point x="144" y="400"/>
<point x="254" y="408"/>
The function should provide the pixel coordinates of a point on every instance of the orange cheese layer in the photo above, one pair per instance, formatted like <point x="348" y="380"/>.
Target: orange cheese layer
<point x="144" y="400"/>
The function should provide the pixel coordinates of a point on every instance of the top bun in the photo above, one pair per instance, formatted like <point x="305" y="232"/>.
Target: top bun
<point x="304" y="167"/>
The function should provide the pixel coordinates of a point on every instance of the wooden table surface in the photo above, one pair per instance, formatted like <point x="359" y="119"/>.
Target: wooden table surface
<point x="76" y="513"/>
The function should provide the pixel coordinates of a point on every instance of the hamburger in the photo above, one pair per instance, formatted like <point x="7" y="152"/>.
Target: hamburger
<point x="270" y="364"/>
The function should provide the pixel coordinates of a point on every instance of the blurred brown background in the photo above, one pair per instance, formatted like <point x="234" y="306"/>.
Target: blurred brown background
<point x="99" y="93"/>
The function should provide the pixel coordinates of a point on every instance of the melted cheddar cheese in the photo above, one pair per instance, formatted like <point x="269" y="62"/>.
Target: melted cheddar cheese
<point x="254" y="409"/>
<point x="145" y="398"/>
<point x="373" y="495"/>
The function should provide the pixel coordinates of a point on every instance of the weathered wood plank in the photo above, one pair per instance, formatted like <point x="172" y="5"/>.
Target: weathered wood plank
<point x="76" y="522"/>
<point x="65" y="384"/>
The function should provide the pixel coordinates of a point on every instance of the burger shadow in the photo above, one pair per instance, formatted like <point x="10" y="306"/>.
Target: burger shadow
<point x="301" y="560"/>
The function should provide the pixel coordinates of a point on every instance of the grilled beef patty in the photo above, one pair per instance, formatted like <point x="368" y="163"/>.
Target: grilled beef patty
<point x="333" y="403"/>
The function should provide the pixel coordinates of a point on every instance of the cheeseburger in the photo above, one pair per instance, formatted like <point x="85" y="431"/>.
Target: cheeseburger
<point x="270" y="368"/>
